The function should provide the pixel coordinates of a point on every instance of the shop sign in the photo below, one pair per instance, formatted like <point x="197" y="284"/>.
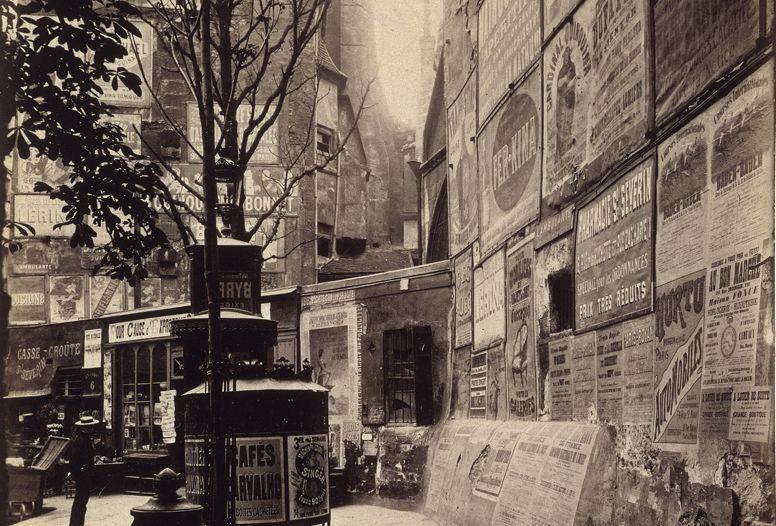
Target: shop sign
<point x="92" y="348"/>
<point x="551" y="228"/>
<point x="614" y="251"/>
<point x="35" y="353"/>
<point x="157" y="327"/>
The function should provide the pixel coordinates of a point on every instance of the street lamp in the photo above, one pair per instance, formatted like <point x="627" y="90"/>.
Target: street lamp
<point x="229" y="182"/>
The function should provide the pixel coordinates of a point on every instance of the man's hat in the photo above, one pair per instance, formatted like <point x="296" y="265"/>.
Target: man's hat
<point x="87" y="421"/>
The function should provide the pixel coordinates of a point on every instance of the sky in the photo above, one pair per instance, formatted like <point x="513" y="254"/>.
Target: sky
<point x="398" y="27"/>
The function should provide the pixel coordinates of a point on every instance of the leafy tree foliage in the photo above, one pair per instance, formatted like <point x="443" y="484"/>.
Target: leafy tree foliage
<point x="52" y="56"/>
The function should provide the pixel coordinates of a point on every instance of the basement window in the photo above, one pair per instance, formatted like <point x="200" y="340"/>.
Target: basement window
<point x="561" y="285"/>
<point x="408" y="381"/>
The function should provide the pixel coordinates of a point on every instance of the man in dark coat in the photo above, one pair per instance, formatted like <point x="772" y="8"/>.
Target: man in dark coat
<point x="80" y="466"/>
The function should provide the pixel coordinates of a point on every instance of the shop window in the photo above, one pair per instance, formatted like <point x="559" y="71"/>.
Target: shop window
<point x="561" y="285"/>
<point x="408" y="382"/>
<point x="145" y="373"/>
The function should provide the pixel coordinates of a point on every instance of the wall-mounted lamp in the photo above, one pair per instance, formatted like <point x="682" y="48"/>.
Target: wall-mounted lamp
<point x="372" y="347"/>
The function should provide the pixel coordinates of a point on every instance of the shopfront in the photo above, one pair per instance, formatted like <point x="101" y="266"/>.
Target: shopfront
<point x="52" y="377"/>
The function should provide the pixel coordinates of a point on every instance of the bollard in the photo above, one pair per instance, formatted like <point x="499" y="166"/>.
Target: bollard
<point x="167" y="508"/>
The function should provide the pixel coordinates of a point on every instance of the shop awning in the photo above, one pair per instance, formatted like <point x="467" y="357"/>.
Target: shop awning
<point x="44" y="391"/>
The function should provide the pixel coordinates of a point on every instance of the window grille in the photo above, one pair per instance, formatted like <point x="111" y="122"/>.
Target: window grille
<point x="408" y="378"/>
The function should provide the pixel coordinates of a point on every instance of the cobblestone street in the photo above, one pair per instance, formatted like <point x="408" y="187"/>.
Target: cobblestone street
<point x="113" y="510"/>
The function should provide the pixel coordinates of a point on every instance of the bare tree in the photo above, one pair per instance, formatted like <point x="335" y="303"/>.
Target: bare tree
<point x="245" y="63"/>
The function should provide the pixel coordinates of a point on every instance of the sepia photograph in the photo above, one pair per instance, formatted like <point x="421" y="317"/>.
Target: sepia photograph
<point x="387" y="262"/>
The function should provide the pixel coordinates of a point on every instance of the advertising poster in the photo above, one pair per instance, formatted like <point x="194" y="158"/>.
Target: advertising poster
<point x="107" y="388"/>
<point x="509" y="41"/>
<point x="167" y="420"/>
<point x="42" y="213"/>
<point x="175" y="290"/>
<point x="66" y="298"/>
<point x="567" y="95"/>
<point x="614" y="251"/>
<point x="442" y="467"/>
<point x="489" y="315"/>
<point x="732" y="319"/>
<point x="596" y="95"/>
<point x="715" y="413"/>
<point x="335" y="445"/>
<point x="742" y="166"/>
<point x="151" y="292"/>
<point x="497" y="384"/>
<point x="129" y="123"/>
<point x="750" y="415"/>
<point x="543" y="481"/>
<point x="478" y="385"/>
<point x="554" y="12"/>
<point x="196" y="468"/>
<point x="583" y="376"/>
<point x="510" y="165"/>
<point x="521" y="342"/>
<point x="267" y="151"/>
<point x="681" y="203"/>
<point x="561" y="403"/>
<point x="106" y="295"/>
<point x="28" y="299"/>
<point x="38" y="169"/>
<point x="44" y="256"/>
<point x="638" y="337"/>
<point x="263" y="185"/>
<point x="329" y="359"/>
<point x="462" y="168"/>
<point x="552" y="227"/>
<point x="460" y="31"/>
<point x="463" y="299"/>
<point x="609" y="365"/>
<point x="502" y="444"/>
<point x="308" y="476"/>
<point x="679" y="324"/>
<point x="715" y="34"/>
<point x="329" y="339"/>
<point x="144" y="46"/>
<point x="92" y="348"/>
<point x="260" y="485"/>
